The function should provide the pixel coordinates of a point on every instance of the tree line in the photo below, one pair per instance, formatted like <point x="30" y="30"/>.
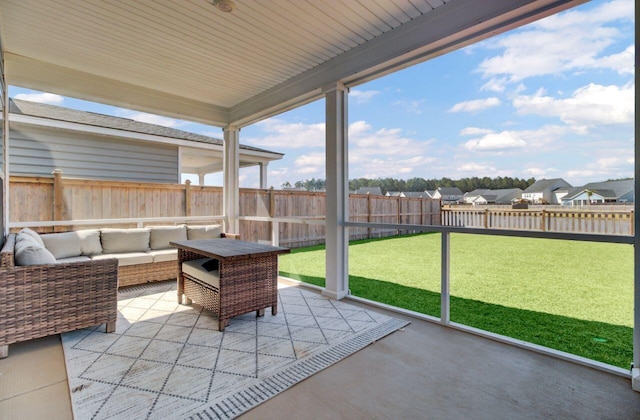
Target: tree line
<point x="420" y="184"/>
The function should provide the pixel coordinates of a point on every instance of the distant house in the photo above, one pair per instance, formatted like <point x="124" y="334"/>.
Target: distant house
<point x="95" y="146"/>
<point x="486" y="196"/>
<point x="430" y="193"/>
<point x="410" y="194"/>
<point x="601" y="193"/>
<point x="369" y="190"/>
<point x="448" y="195"/>
<point x="543" y="191"/>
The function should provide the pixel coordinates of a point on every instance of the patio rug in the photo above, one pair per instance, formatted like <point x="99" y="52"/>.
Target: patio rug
<point x="168" y="361"/>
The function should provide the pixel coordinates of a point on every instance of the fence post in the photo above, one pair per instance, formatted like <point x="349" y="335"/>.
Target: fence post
<point x="543" y="226"/>
<point x="58" y="199"/>
<point x="368" y="214"/>
<point x="187" y="198"/>
<point x="486" y="218"/>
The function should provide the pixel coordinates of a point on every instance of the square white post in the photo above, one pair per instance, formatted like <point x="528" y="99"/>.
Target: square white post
<point x="635" y="371"/>
<point x="263" y="175"/>
<point x="231" y="177"/>
<point x="337" y="196"/>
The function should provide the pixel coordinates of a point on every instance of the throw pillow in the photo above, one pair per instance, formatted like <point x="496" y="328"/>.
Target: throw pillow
<point x="90" y="242"/>
<point x="204" y="232"/>
<point x="62" y="245"/>
<point x="115" y="241"/>
<point x="162" y="235"/>
<point x="32" y="234"/>
<point x="29" y="252"/>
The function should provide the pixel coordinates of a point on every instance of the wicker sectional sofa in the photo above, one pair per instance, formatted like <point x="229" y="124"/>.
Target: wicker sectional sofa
<point x="59" y="282"/>
<point x="46" y="299"/>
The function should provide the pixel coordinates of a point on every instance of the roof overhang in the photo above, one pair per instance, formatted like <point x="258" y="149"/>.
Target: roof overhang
<point x="239" y="68"/>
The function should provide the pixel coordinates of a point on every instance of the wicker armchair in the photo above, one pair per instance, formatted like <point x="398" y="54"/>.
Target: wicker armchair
<point x="41" y="300"/>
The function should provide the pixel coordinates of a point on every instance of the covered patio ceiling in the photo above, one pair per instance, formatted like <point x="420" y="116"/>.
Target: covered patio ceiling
<point x="189" y="60"/>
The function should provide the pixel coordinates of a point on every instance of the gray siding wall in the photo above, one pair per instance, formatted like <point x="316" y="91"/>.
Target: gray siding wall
<point x="38" y="151"/>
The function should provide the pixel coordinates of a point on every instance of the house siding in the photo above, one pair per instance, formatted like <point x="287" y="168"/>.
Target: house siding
<point x="37" y="151"/>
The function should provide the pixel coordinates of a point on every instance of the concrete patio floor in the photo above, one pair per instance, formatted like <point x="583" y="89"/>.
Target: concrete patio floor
<point x="423" y="371"/>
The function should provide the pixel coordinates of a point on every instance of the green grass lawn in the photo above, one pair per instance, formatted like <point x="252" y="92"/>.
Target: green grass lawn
<point x="572" y="296"/>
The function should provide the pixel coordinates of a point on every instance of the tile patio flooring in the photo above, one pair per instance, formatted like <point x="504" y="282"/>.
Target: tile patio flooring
<point x="423" y="371"/>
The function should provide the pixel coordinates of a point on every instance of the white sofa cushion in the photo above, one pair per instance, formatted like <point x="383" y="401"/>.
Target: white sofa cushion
<point x="62" y="245"/>
<point x="116" y="241"/>
<point x="90" y="242"/>
<point x="127" y="258"/>
<point x="161" y="236"/>
<point x="73" y="259"/>
<point x="195" y="269"/>
<point x="32" y="234"/>
<point x="204" y="232"/>
<point x="29" y="252"/>
<point x="163" y="255"/>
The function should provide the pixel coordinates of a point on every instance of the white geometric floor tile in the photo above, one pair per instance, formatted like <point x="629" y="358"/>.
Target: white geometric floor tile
<point x="162" y="351"/>
<point x="239" y="342"/>
<point x="108" y="368"/>
<point x="205" y="337"/>
<point x="237" y="362"/>
<point x="198" y="356"/>
<point x="173" y="333"/>
<point x="127" y="403"/>
<point x="170" y="361"/>
<point x="147" y="375"/>
<point x="129" y="346"/>
<point x="142" y="329"/>
<point x="282" y="347"/>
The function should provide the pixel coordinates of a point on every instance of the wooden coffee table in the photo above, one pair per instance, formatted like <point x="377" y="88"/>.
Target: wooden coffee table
<point x="247" y="274"/>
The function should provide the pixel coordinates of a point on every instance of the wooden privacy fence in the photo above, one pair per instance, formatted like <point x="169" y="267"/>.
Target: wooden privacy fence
<point x="40" y="199"/>
<point x="610" y="222"/>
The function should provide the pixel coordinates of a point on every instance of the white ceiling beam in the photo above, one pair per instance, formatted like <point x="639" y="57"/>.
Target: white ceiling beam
<point x="32" y="74"/>
<point x="451" y="26"/>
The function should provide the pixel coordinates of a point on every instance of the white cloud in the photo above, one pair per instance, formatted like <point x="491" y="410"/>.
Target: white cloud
<point x="570" y="41"/>
<point x="474" y="131"/>
<point x="588" y="106"/>
<point x="495" y="142"/>
<point x="278" y="172"/>
<point x="615" y="165"/>
<point x="495" y="84"/>
<point x="148" y="118"/>
<point x="281" y="134"/>
<point x="364" y="141"/>
<point x="43" y="98"/>
<point x="311" y="163"/>
<point x="475" y="105"/>
<point x="363" y="96"/>
<point x="412" y="107"/>
<point x="476" y="168"/>
<point x="540" y="172"/>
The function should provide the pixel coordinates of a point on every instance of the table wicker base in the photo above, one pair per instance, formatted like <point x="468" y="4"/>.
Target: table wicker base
<point x="245" y="286"/>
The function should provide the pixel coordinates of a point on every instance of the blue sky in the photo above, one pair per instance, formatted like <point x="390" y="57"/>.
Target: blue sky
<point x="552" y="99"/>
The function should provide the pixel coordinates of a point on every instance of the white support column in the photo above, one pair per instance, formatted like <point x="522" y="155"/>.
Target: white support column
<point x="231" y="177"/>
<point x="445" y="278"/>
<point x="635" y="371"/>
<point x="337" y="196"/>
<point x="263" y="175"/>
<point x="201" y="179"/>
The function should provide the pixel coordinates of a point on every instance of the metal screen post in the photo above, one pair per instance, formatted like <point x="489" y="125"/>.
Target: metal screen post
<point x="445" y="279"/>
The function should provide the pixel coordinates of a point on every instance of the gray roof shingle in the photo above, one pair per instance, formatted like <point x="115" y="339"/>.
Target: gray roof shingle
<point x="52" y="112"/>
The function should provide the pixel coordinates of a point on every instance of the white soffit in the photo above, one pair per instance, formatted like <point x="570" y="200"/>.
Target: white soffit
<point x="188" y="60"/>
